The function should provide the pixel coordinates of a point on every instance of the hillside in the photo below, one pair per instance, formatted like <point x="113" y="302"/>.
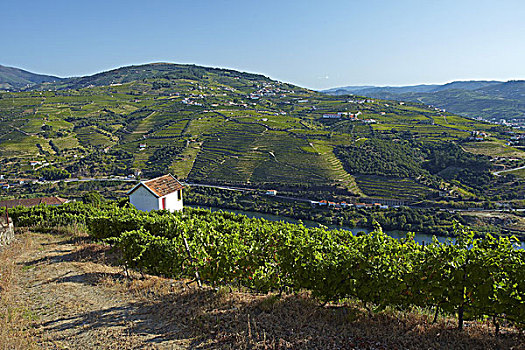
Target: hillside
<point x="490" y="100"/>
<point x="15" y="78"/>
<point x="71" y="293"/>
<point x="165" y="72"/>
<point x="423" y="88"/>
<point x="226" y="127"/>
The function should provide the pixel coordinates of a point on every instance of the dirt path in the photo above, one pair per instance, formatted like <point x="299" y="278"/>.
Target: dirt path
<point x="69" y="294"/>
<point x="74" y="307"/>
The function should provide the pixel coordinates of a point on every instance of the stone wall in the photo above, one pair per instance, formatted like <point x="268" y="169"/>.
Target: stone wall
<point x="7" y="232"/>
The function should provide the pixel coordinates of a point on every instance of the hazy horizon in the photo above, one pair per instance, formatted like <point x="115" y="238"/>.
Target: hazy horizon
<point x="318" y="45"/>
<point x="328" y="88"/>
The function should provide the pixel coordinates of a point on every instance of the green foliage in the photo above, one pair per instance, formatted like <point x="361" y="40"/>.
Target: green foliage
<point x="451" y="162"/>
<point x="161" y="160"/>
<point x="381" y="157"/>
<point x="93" y="198"/>
<point x="415" y="160"/>
<point x="53" y="173"/>
<point x="427" y="221"/>
<point x="475" y="277"/>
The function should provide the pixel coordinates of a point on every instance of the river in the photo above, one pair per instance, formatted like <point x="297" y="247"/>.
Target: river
<point x="420" y="238"/>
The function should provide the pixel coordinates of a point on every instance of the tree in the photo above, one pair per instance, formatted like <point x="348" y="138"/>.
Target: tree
<point x="92" y="198"/>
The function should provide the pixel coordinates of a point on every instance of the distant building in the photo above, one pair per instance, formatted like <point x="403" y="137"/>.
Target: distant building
<point x="271" y="192"/>
<point x="331" y="116"/>
<point x="31" y="202"/>
<point x="161" y="193"/>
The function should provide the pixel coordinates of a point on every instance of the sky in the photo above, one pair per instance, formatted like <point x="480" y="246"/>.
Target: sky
<point x="314" y="44"/>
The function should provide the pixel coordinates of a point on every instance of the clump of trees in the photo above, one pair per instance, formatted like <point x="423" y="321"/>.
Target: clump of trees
<point x="381" y="157"/>
<point x="53" y="173"/>
<point x="411" y="159"/>
<point x="162" y="159"/>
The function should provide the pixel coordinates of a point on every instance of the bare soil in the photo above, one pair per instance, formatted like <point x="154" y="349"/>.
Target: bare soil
<point x="71" y="294"/>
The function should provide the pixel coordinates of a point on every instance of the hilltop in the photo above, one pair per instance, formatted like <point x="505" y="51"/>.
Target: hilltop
<point x="497" y="101"/>
<point x="15" y="78"/>
<point x="157" y="71"/>
<point x="222" y="126"/>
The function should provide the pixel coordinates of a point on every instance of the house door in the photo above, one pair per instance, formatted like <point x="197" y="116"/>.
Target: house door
<point x="164" y="203"/>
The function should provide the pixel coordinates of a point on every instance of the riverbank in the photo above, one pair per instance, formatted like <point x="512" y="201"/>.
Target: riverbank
<point x="421" y="238"/>
<point x="392" y="219"/>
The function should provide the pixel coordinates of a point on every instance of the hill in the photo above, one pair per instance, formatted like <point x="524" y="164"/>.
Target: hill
<point x="227" y="127"/>
<point x="369" y="89"/>
<point x="490" y="100"/>
<point x="15" y="78"/>
<point x="157" y="71"/>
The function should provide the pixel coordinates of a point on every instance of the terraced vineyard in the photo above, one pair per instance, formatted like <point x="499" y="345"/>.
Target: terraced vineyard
<point x="228" y="152"/>
<point x="400" y="188"/>
<point x="215" y="125"/>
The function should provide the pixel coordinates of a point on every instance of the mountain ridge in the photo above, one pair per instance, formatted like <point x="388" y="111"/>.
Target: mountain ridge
<point x="486" y="99"/>
<point x="155" y="70"/>
<point x="12" y="78"/>
<point x="457" y="84"/>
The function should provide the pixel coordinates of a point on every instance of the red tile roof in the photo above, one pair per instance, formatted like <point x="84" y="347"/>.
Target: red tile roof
<point x="160" y="186"/>
<point x="31" y="202"/>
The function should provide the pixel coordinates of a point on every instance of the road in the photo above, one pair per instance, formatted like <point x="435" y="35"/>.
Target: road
<point x="302" y="199"/>
<point x="247" y="189"/>
<point x="507" y="170"/>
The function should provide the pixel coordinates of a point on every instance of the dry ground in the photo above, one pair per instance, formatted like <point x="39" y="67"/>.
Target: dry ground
<point x="63" y="292"/>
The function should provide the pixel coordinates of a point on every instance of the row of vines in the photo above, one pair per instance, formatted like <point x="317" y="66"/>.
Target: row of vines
<point x="468" y="276"/>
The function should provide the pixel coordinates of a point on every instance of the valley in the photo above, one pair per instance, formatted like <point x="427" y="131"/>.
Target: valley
<point x="223" y="127"/>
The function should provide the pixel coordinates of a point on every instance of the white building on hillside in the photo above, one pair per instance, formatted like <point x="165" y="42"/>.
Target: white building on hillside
<point x="163" y="192"/>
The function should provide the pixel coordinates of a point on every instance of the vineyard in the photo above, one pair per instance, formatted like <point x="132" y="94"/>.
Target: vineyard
<point x="402" y="188"/>
<point x="474" y="278"/>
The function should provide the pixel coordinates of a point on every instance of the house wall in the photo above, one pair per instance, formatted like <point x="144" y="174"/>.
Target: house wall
<point x="144" y="200"/>
<point x="172" y="203"/>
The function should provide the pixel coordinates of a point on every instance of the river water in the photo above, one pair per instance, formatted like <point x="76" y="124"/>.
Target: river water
<point x="420" y="238"/>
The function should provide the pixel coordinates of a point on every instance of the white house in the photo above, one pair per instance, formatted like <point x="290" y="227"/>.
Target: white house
<point x="163" y="192"/>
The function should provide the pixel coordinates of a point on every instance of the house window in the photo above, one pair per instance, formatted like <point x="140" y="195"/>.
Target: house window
<point x="179" y="195"/>
<point x="164" y="203"/>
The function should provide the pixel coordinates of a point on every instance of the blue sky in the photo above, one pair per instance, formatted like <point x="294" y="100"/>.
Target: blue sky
<point x="316" y="44"/>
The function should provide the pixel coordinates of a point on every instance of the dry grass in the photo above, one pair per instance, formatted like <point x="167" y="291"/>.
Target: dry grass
<point x="220" y="319"/>
<point x="15" y="319"/>
<point x="150" y="312"/>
